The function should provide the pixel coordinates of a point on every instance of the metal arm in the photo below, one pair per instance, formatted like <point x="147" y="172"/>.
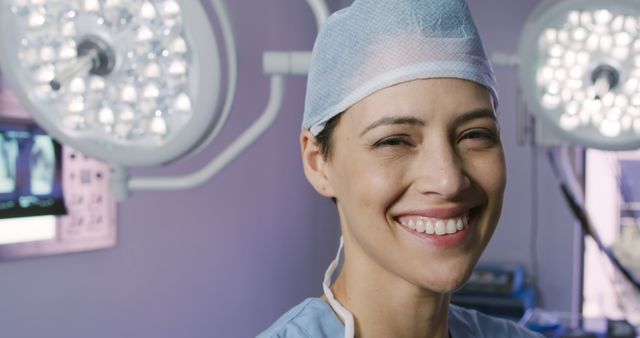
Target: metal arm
<point x="320" y="10"/>
<point x="231" y="152"/>
<point x="232" y="62"/>
<point x="292" y="63"/>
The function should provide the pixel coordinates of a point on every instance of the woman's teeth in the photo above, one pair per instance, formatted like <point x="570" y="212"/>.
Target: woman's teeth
<point x="436" y="226"/>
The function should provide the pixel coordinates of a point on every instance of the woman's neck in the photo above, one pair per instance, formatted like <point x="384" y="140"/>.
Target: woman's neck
<point x="388" y="306"/>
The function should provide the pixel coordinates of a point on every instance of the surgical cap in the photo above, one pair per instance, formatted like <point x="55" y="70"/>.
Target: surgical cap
<point x="374" y="44"/>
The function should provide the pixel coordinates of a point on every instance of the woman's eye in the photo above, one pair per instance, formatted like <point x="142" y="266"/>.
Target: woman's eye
<point x="393" y="141"/>
<point x="480" y="135"/>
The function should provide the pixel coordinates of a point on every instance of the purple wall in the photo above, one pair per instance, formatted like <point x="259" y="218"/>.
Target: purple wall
<point x="227" y="258"/>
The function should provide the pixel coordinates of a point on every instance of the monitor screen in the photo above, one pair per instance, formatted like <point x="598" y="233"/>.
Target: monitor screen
<point x="30" y="171"/>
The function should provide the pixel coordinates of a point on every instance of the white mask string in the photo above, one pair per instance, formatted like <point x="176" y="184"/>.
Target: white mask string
<point x="347" y="317"/>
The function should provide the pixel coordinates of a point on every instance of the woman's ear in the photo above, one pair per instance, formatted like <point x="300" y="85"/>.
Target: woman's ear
<point x="315" y="164"/>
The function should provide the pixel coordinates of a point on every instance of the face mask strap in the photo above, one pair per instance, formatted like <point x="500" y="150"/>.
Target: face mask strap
<point x="346" y="316"/>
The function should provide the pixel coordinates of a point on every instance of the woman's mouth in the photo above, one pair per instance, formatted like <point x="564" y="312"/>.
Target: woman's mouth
<point x="435" y="226"/>
<point x="443" y="229"/>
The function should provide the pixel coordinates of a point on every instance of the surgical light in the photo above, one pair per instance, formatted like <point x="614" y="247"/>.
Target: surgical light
<point x="579" y="64"/>
<point x="135" y="83"/>
<point x="129" y="82"/>
<point x="579" y="73"/>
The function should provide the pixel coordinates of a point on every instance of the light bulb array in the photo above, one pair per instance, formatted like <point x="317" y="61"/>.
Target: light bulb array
<point x="580" y="77"/>
<point x="144" y="100"/>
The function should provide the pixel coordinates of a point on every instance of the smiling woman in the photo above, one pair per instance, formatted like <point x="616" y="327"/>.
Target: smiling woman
<point x="406" y="142"/>
<point x="418" y="193"/>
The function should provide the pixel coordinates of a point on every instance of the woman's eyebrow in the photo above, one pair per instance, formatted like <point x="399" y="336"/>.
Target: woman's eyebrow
<point x="393" y="120"/>
<point x="475" y="114"/>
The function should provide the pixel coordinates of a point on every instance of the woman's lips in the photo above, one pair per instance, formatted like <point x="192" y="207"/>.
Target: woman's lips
<point x="448" y="231"/>
<point x="440" y="213"/>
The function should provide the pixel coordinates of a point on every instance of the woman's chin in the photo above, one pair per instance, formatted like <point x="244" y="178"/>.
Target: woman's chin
<point x="442" y="288"/>
<point x="444" y="282"/>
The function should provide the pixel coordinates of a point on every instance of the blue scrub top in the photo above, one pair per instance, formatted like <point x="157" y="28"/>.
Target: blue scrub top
<point x="314" y="318"/>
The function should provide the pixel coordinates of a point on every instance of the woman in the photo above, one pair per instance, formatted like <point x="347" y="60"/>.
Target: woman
<point x="400" y="131"/>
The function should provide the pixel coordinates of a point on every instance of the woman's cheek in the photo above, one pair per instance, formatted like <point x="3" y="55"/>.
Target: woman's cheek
<point x="488" y="171"/>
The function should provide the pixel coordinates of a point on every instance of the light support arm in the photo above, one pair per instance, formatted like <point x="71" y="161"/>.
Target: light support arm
<point x="225" y="157"/>
<point x="320" y="11"/>
<point x="275" y="64"/>
<point x="289" y="63"/>
<point x="505" y="60"/>
<point x="232" y="62"/>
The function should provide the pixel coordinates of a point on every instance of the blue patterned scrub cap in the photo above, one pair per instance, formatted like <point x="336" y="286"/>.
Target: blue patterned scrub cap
<point x="374" y="44"/>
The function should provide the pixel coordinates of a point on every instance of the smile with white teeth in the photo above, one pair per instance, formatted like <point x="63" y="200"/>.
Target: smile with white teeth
<point x="435" y="226"/>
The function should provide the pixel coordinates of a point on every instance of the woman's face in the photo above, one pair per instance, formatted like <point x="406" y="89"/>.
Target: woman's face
<point x="418" y="173"/>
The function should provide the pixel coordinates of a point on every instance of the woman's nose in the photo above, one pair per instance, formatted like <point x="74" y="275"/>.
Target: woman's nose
<point x="440" y="171"/>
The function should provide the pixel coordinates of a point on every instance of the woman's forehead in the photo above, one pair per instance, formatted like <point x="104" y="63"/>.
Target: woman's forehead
<point x="426" y="99"/>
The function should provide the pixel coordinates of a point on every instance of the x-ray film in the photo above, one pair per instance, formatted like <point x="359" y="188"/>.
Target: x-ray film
<point x="30" y="171"/>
